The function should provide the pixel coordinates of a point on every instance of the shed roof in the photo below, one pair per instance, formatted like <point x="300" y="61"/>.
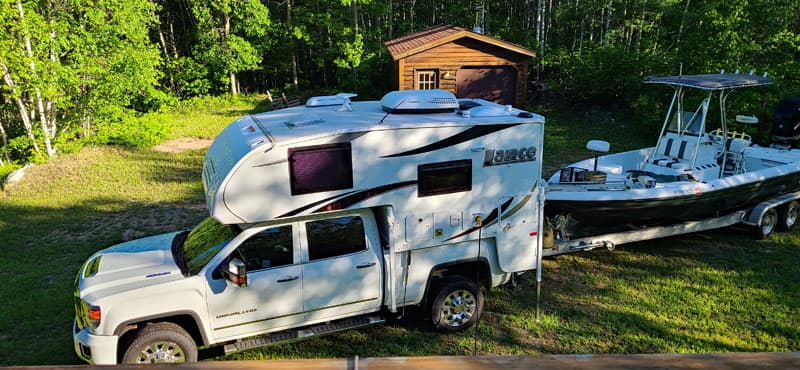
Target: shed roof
<point x="429" y="38"/>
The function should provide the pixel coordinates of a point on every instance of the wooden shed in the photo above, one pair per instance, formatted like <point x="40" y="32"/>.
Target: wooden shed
<point x="469" y="64"/>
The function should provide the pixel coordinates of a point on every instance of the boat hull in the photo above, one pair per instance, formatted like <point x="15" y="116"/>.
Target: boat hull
<point x="605" y="214"/>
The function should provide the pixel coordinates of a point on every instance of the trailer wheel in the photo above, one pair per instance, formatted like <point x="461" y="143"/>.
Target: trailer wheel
<point x="787" y="215"/>
<point x="162" y="342"/>
<point x="768" y="222"/>
<point x="458" y="304"/>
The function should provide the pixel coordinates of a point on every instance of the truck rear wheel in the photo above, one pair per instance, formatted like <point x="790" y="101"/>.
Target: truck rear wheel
<point x="458" y="304"/>
<point x="162" y="342"/>
<point x="787" y="215"/>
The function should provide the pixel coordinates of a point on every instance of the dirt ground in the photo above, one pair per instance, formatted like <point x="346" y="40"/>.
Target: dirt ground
<point x="182" y="144"/>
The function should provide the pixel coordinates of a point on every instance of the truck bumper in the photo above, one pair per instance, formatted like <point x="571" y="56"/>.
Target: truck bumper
<point x="94" y="349"/>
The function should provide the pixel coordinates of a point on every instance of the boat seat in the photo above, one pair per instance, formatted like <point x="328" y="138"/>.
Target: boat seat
<point x="734" y="161"/>
<point x="675" y="158"/>
<point x="675" y="152"/>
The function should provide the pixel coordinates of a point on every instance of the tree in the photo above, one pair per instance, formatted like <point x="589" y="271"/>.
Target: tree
<point x="227" y="34"/>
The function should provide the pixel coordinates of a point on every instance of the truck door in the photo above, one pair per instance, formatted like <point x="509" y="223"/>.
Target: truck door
<point x="342" y="275"/>
<point x="272" y="298"/>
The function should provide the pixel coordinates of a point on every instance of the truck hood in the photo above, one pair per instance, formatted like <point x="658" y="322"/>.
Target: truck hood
<point x="130" y="265"/>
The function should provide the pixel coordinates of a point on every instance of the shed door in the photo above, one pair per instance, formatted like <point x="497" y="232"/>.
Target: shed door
<point x="497" y="84"/>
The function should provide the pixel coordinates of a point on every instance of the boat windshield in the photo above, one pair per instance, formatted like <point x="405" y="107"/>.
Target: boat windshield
<point x="692" y="122"/>
<point x="203" y="242"/>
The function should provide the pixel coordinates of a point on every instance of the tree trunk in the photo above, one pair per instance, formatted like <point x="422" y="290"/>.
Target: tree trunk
<point x="39" y="101"/>
<point x="231" y="74"/>
<point x="5" y="144"/>
<point x="641" y="28"/>
<point x="294" y="44"/>
<point x="607" y="32"/>
<point x="23" y="110"/>
<point x="683" y="21"/>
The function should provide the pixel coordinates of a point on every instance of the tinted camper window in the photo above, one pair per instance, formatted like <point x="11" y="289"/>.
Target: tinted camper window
<point x="444" y="177"/>
<point x="320" y="168"/>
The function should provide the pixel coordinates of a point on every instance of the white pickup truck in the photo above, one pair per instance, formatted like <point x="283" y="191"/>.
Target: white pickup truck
<point x="324" y="218"/>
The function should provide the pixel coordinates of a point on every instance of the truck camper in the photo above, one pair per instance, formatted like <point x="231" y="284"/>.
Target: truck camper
<point x="326" y="217"/>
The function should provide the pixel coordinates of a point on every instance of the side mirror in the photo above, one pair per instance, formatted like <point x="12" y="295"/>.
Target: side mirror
<point x="236" y="273"/>
<point x="598" y="146"/>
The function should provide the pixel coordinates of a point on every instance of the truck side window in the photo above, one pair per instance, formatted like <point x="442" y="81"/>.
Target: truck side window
<point x="335" y="237"/>
<point x="269" y="248"/>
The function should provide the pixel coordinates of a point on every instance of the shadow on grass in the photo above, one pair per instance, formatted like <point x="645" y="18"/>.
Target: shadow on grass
<point x="40" y="253"/>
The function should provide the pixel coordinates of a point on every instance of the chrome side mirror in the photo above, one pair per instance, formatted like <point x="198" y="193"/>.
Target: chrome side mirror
<point x="236" y="273"/>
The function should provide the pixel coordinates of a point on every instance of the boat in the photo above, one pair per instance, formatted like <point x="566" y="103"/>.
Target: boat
<point x="697" y="170"/>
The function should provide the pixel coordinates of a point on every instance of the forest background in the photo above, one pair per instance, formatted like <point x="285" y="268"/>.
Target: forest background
<point x="76" y="72"/>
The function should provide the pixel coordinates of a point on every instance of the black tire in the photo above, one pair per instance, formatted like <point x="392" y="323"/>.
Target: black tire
<point x="458" y="304"/>
<point x="788" y="215"/>
<point x="162" y="342"/>
<point x="768" y="223"/>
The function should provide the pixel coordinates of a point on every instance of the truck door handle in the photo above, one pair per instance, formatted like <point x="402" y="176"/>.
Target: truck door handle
<point x="365" y="265"/>
<point x="287" y="278"/>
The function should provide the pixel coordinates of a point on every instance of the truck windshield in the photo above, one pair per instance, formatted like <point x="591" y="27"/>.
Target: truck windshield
<point x="203" y="242"/>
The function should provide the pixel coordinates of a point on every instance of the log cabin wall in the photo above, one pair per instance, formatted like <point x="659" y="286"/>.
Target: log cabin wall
<point x="462" y="65"/>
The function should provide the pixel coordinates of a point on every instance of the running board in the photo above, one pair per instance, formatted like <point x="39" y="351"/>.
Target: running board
<point x="303" y="333"/>
<point x="610" y="241"/>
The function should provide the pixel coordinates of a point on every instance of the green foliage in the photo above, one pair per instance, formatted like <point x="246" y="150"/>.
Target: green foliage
<point x="187" y="78"/>
<point x="136" y="131"/>
<point x="229" y="32"/>
<point x="7" y="168"/>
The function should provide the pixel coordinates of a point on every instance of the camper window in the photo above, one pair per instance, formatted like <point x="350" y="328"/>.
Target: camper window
<point x="269" y="248"/>
<point x="320" y="168"/>
<point x="444" y="177"/>
<point x="335" y="237"/>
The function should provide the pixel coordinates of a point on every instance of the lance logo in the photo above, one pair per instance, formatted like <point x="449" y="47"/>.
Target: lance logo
<point x="494" y="157"/>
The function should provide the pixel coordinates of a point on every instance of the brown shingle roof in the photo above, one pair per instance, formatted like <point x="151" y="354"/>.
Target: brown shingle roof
<point x="434" y="36"/>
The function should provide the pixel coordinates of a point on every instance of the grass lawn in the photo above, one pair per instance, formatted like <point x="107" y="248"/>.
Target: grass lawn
<point x="708" y="292"/>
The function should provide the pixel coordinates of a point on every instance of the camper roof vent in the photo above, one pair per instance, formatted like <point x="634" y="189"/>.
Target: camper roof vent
<point x="490" y="111"/>
<point x="419" y="101"/>
<point x="329" y="100"/>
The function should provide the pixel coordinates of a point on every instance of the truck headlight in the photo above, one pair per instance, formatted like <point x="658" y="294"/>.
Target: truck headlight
<point x="88" y="315"/>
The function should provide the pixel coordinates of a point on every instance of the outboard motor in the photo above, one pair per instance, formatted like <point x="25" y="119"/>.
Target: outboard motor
<point x="786" y="130"/>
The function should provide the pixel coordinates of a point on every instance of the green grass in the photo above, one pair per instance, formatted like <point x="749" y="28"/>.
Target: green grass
<point x="708" y="292"/>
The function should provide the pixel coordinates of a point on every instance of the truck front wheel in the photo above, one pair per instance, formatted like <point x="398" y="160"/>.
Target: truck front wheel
<point x="162" y="342"/>
<point x="458" y="304"/>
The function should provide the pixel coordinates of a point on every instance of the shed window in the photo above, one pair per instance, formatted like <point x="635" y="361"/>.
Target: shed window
<point x="427" y="79"/>
<point x="444" y="177"/>
<point x="320" y="168"/>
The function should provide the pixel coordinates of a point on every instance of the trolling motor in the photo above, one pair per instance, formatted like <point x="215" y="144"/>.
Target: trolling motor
<point x="786" y="129"/>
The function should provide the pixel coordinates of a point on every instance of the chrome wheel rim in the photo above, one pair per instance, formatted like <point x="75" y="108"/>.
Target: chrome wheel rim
<point x="161" y="352"/>
<point x="768" y="223"/>
<point x="458" y="308"/>
<point x="791" y="216"/>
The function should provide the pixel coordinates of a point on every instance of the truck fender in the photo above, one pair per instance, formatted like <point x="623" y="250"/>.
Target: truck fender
<point x="182" y="318"/>
<point x="463" y="267"/>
